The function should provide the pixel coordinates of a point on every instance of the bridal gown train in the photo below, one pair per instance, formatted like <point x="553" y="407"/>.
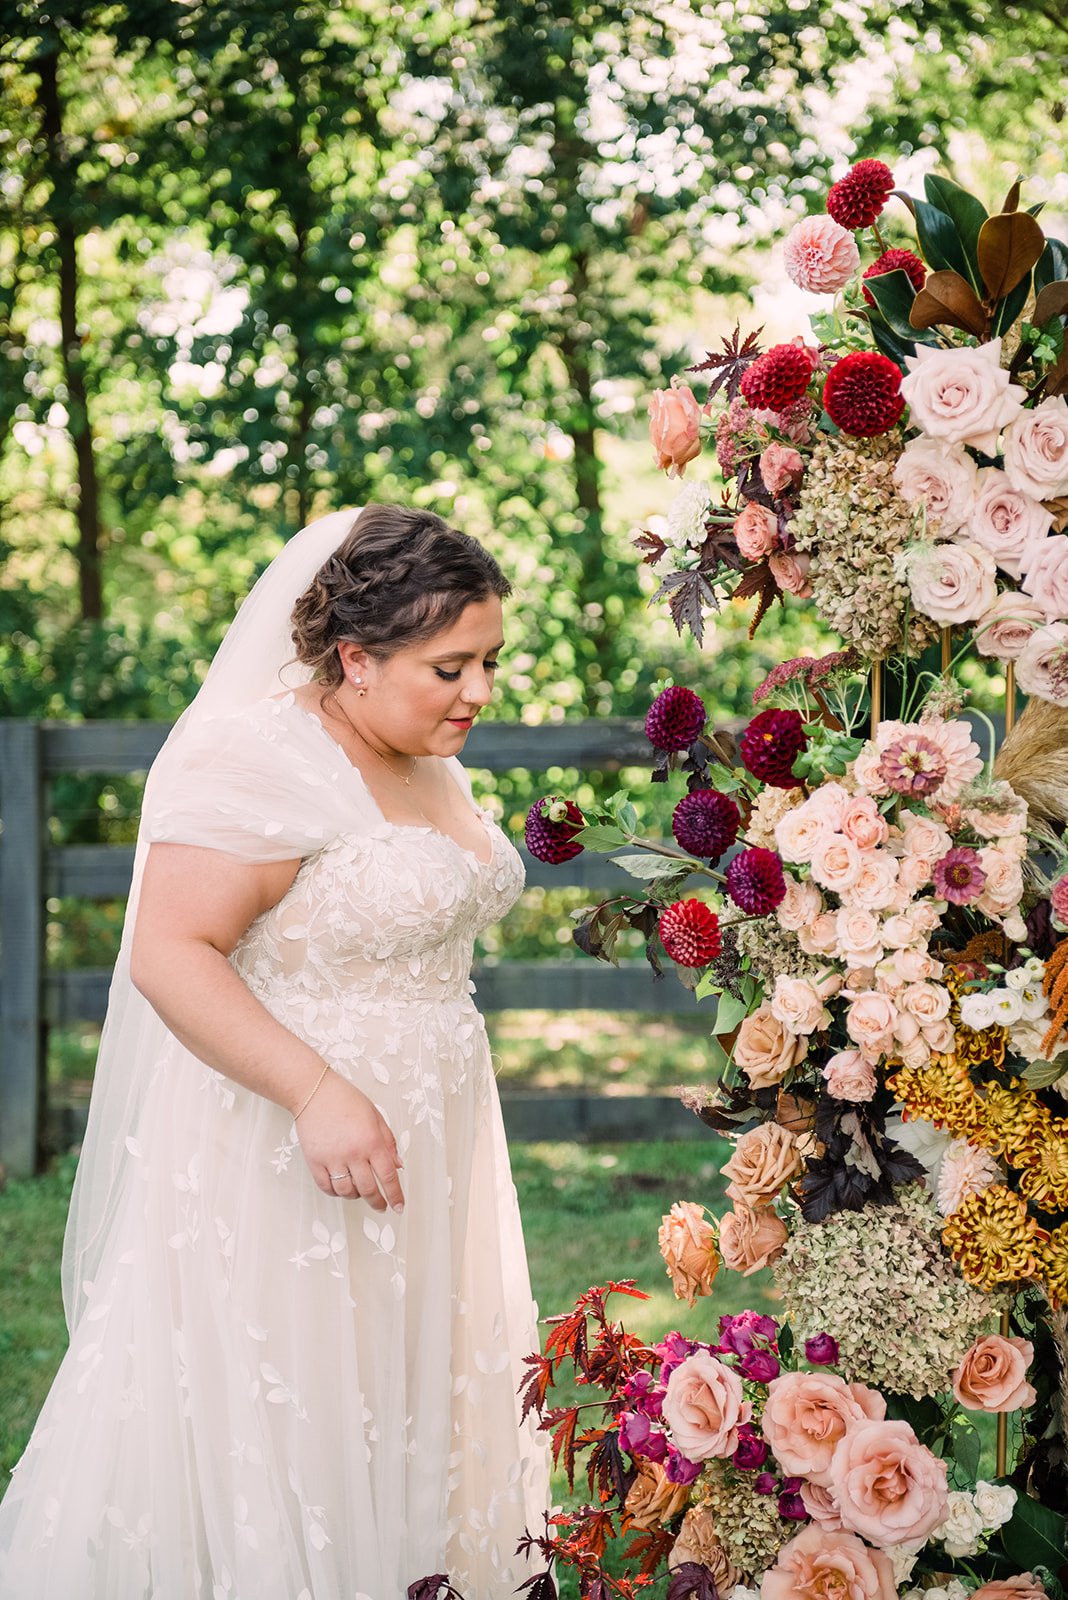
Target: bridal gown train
<point x="270" y="1393"/>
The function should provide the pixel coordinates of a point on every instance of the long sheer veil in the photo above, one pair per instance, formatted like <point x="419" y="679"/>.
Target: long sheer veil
<point x="247" y="668"/>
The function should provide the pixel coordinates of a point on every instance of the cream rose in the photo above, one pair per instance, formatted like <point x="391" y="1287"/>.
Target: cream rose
<point x="924" y="836"/>
<point x="952" y="583"/>
<point x="1004" y="885"/>
<point x="876" y="887"/>
<point x="962" y="1529"/>
<point x="762" y="1161"/>
<point x="993" y="1375"/>
<point x="927" y="1002"/>
<point x="1042" y="665"/>
<point x="799" y="832"/>
<point x="850" y="1077"/>
<point x="962" y="395"/>
<point x="859" y="941"/>
<point x="820" y="937"/>
<point x="750" y="1239"/>
<point x="870" y="1022"/>
<point x="704" y="1406"/>
<point x="890" y="1488"/>
<point x="941" y="477"/>
<point x="765" y="1049"/>
<point x="675" y="428"/>
<point x="756" y="531"/>
<point x="836" y="862"/>
<point x="1036" y="450"/>
<point x="1046" y="576"/>
<point x="688" y="1245"/>
<point x="797" y="1005"/>
<point x="801" y="902"/>
<point x="808" y="1414"/>
<point x="1004" y="521"/>
<point x="1008" y="626"/>
<point x="821" y="1563"/>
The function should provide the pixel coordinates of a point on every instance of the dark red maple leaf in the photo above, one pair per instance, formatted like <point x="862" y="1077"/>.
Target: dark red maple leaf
<point x="652" y="545"/>
<point x="731" y="361"/>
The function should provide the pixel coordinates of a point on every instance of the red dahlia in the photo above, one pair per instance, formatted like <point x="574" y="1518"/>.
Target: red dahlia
<point x="857" y="199"/>
<point x="675" y="719"/>
<point x="552" y="824"/>
<point x="862" y="395"/>
<point x="778" y="378"/>
<point x="755" y="881"/>
<point x="689" y="932"/>
<point x="896" y="261"/>
<point x="771" y="744"/>
<point x="705" y="823"/>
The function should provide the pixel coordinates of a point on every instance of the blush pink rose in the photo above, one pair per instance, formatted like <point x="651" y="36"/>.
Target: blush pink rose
<point x="875" y="888"/>
<point x="993" y="1375"/>
<point x="704" y="1406"/>
<point x="915" y="966"/>
<point x="899" y="931"/>
<point x="836" y="862"/>
<point x="808" y="1414"/>
<point x="674" y="428"/>
<point x="927" y="1002"/>
<point x="791" y="573"/>
<point x="1008" y="626"/>
<point x="780" y="466"/>
<point x="756" y="531"/>
<point x="1036" y="450"/>
<point x="1025" y="1586"/>
<point x="801" y="902"/>
<point x="962" y="395"/>
<point x="822" y="1507"/>
<point x="1042" y="665"/>
<point x="820" y="936"/>
<point x="821" y="1563"/>
<point x="924" y="836"/>
<point x="820" y="255"/>
<point x="797" y="1005"/>
<point x="863" y="822"/>
<point x="867" y="770"/>
<point x="890" y="1488"/>
<point x="1004" y="520"/>
<point x="799" y="832"/>
<point x="859" y="941"/>
<point x="870" y="1022"/>
<point x="849" y="1076"/>
<point x="1046" y="576"/>
<point x="750" y="1239"/>
<point x="941" y="477"/>
<point x="1003" y="889"/>
<point x="952" y="583"/>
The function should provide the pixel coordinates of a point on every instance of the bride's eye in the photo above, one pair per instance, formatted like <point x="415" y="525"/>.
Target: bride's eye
<point x="450" y="677"/>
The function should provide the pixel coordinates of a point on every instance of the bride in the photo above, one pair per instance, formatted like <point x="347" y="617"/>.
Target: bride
<point x="294" y="1273"/>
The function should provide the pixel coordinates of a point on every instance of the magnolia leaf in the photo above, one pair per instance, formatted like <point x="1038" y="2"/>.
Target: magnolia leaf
<point x="1052" y="265"/>
<point x="967" y="213"/>
<point x="905" y="198"/>
<point x="1012" y="199"/>
<point x="646" y="866"/>
<point x="893" y="293"/>
<point x="1040" y="1074"/>
<point x="893" y="347"/>
<point x="1036" y="1535"/>
<point x="1009" y="247"/>
<point x="1052" y="302"/>
<point x="947" y="298"/>
<point x="940" y="243"/>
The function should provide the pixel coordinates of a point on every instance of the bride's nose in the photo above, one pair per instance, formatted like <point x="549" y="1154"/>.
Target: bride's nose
<point x="477" y="689"/>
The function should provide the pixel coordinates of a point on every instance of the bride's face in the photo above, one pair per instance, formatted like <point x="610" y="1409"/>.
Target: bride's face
<point x="425" y="698"/>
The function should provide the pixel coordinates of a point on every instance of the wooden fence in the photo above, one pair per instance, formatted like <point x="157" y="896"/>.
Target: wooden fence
<point x="32" y="870"/>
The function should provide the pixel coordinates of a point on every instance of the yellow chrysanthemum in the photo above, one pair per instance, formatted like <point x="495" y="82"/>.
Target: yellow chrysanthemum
<point x="978" y="1047"/>
<point x="993" y="1240"/>
<point x="941" y="1092"/>
<point x="1044" y="1174"/>
<point x="1054" y="1266"/>
<point x="1012" y="1121"/>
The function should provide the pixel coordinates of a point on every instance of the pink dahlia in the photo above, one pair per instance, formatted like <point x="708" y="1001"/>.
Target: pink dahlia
<point x="862" y="395"/>
<point x="551" y="826"/>
<point x="913" y="765"/>
<point x="675" y="719"/>
<point x="959" y="876"/>
<point x="690" y="934"/>
<point x="706" y="823"/>
<point x="857" y="199"/>
<point x="820" y="255"/>
<point x="895" y="261"/>
<point x="771" y="744"/>
<point x="1058" y="898"/>
<point x="755" y="882"/>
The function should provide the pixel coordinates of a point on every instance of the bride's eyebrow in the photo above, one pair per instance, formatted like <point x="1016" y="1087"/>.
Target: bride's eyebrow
<point x="469" y="655"/>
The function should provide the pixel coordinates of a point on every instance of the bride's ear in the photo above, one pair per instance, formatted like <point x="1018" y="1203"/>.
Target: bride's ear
<point x="355" y="661"/>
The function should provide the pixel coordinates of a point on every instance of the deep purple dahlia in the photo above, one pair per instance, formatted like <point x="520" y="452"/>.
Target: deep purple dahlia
<point x="755" y="882"/>
<point x="706" y="823"/>
<point x="771" y="744"/>
<point x="675" y="719"/>
<point x="552" y="824"/>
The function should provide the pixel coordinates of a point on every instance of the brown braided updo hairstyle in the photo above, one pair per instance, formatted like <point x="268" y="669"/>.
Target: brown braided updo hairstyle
<point x="398" y="576"/>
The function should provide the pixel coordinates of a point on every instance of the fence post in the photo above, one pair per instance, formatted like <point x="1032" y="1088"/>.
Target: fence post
<point x="21" y="940"/>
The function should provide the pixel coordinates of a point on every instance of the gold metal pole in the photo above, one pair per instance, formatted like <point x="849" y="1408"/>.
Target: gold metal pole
<point x="947" y="652"/>
<point x="876" y="695"/>
<point x="1001" y="1444"/>
<point x="1010" y="696"/>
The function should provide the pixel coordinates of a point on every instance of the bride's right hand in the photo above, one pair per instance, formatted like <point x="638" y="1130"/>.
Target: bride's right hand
<point x="349" y="1145"/>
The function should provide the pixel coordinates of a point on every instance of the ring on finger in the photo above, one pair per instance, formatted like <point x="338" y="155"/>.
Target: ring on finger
<point x="335" y="1177"/>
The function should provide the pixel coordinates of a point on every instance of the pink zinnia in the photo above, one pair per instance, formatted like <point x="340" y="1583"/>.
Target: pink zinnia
<point x="959" y="876"/>
<point x="1058" y="898"/>
<point x="913" y="765"/>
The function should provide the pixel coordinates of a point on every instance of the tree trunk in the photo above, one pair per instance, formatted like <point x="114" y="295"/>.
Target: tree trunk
<point x="78" y="424"/>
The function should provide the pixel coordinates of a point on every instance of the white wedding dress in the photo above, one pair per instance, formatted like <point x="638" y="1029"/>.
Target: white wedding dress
<point x="272" y="1394"/>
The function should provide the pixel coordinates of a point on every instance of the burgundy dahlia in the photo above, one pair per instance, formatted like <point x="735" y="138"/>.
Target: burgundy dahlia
<point x="771" y="744"/>
<point x="857" y="199"/>
<point x="755" y="881"/>
<point x="959" y="876"/>
<point x="705" y="823"/>
<point x="778" y="378"/>
<point x="895" y="261"/>
<point x="552" y="824"/>
<point x="862" y="395"/>
<point x="675" y="719"/>
<point x="689" y="932"/>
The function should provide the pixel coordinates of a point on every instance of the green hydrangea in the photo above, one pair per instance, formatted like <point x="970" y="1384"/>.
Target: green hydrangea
<point x="747" y="1524"/>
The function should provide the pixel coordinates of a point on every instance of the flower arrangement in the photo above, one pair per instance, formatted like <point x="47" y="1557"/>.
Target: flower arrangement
<point x="909" y="471"/>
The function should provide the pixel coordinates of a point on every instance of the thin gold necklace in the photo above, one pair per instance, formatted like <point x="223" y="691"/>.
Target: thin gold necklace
<point x="399" y="776"/>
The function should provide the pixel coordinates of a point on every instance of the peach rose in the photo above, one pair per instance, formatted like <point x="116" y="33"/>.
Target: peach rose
<point x="704" y="1406"/>
<point x="1004" y="885"/>
<point x="765" y="1049"/>
<point x="836" y="862"/>
<point x="1004" y="520"/>
<point x="863" y="822"/>
<point x="890" y="1488"/>
<point x="952" y="583"/>
<point x="808" y="1414"/>
<point x="750" y="1239"/>
<point x="899" y="931"/>
<point x="867" y="770"/>
<point x="939" y="1035"/>
<point x="780" y="466"/>
<point x="859" y="941"/>
<point x="915" y="966"/>
<point x="822" y="1507"/>
<point x="674" y="427"/>
<point x="1042" y="665"/>
<point x="756" y="531"/>
<point x="993" y="1375"/>
<point x="870" y="1022"/>
<point x="962" y="395"/>
<point x="801" y="902"/>
<point x="688" y="1245"/>
<point x="1007" y="627"/>
<point x="797" y="1005"/>
<point x="927" y="1002"/>
<point x="1036" y="450"/>
<point x="939" y="476"/>
<point x="820" y="937"/>
<point x="762" y="1161"/>
<point x="1046" y="576"/>
<point x="876" y="886"/>
<point x="822" y="1564"/>
<point x="1024" y="1587"/>
<point x="699" y="1542"/>
<point x="790" y="572"/>
<point x="849" y="1076"/>
<point x="652" y="1499"/>
<point x="924" y="836"/>
<point x="820" y="255"/>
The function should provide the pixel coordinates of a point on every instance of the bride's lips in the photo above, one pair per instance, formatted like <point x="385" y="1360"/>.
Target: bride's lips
<point x="460" y="722"/>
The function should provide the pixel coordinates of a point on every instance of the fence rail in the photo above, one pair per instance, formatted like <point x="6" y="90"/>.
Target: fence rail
<point x="34" y="999"/>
